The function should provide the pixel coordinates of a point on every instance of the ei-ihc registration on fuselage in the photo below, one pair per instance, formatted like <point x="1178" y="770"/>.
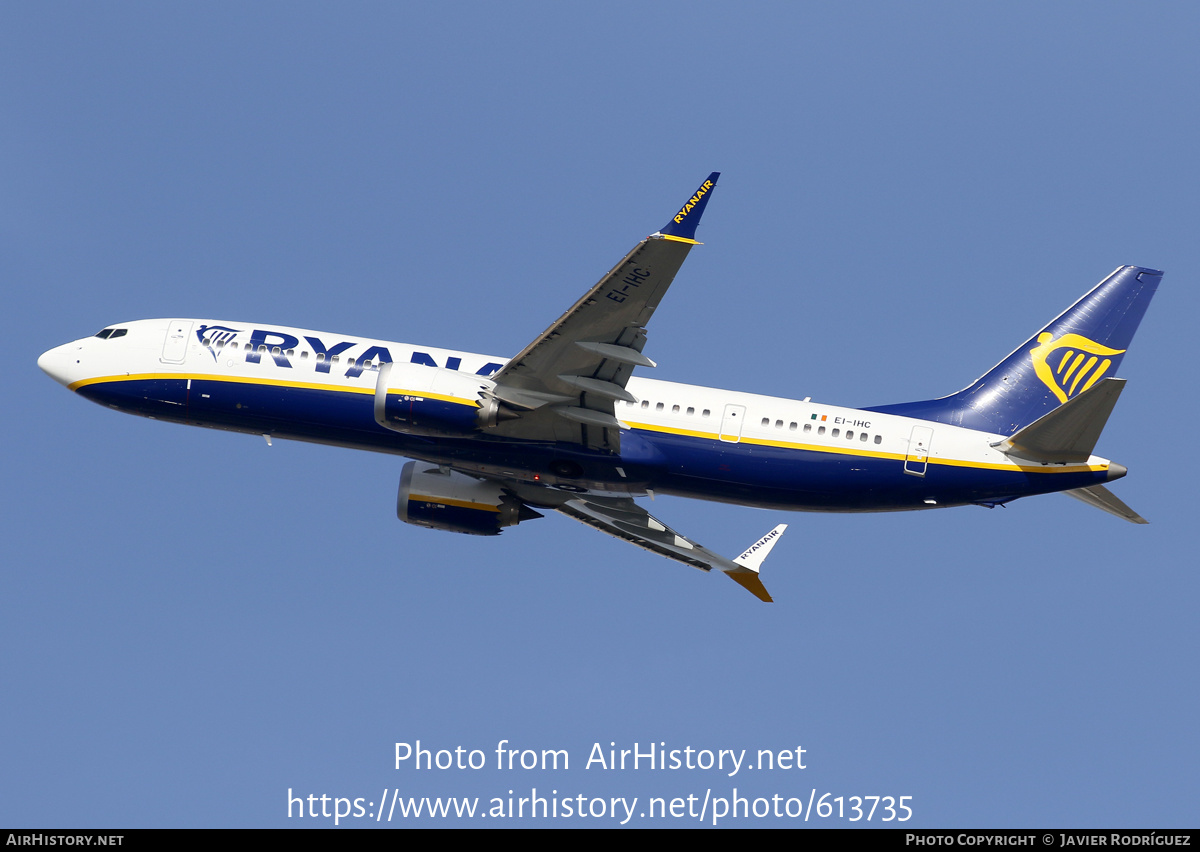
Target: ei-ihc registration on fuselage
<point x="565" y="425"/>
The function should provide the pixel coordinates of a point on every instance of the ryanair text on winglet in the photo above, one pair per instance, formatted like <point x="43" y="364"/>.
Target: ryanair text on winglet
<point x="693" y="201"/>
<point x="775" y="533"/>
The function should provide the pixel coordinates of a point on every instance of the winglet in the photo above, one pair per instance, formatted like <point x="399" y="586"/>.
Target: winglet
<point x="751" y="560"/>
<point x="753" y="585"/>
<point x="757" y="552"/>
<point x="682" y="226"/>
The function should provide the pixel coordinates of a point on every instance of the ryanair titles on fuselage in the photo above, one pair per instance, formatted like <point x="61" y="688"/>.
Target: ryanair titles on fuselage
<point x="277" y="345"/>
<point x="693" y="201"/>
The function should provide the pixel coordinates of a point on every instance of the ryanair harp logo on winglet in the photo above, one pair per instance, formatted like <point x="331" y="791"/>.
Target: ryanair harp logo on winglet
<point x="1071" y="364"/>
<point x="693" y="201"/>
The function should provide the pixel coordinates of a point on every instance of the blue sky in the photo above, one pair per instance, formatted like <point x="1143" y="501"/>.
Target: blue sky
<point x="195" y="623"/>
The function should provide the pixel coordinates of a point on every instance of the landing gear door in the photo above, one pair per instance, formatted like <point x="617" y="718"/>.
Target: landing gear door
<point x="176" y="343"/>
<point x="918" y="450"/>
<point x="731" y="423"/>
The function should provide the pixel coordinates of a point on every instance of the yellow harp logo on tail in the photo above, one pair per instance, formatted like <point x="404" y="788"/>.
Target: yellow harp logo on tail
<point x="1071" y="364"/>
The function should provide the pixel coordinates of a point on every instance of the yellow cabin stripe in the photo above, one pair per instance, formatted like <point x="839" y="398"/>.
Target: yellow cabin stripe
<point x="872" y="454"/>
<point x="249" y="380"/>
<point x="646" y="427"/>
<point x="240" y="380"/>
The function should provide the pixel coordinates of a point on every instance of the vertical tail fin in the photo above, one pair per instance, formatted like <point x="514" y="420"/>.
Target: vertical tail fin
<point x="1078" y="348"/>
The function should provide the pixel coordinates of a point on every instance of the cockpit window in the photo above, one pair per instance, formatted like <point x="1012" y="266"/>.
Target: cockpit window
<point x="103" y="335"/>
<point x="109" y="333"/>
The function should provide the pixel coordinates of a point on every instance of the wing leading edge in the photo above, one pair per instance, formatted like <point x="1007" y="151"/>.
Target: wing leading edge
<point x="562" y="387"/>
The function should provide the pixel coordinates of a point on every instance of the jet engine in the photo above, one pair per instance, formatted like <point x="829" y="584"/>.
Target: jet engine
<point x="420" y="400"/>
<point x="455" y="502"/>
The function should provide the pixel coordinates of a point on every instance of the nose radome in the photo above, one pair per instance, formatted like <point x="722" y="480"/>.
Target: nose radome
<point x="55" y="363"/>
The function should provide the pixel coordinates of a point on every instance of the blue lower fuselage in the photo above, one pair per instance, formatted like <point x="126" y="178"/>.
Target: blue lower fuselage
<point x="706" y="468"/>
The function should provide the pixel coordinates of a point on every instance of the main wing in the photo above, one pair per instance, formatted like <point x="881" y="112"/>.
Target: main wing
<point x="562" y="387"/>
<point x="625" y="519"/>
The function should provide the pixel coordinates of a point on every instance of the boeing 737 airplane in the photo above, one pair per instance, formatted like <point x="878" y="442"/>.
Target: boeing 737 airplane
<point x="566" y="426"/>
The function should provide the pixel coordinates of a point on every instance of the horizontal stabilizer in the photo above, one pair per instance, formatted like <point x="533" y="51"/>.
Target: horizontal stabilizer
<point x="1068" y="433"/>
<point x="1102" y="498"/>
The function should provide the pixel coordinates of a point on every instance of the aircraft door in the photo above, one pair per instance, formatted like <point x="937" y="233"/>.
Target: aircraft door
<point x="176" y="343"/>
<point x="731" y="423"/>
<point x="918" y="450"/>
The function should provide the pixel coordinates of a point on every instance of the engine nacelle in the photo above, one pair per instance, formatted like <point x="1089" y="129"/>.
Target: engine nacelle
<point x="420" y="400"/>
<point x="456" y="502"/>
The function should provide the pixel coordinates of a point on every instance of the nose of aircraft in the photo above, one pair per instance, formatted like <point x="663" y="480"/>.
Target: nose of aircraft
<point x="57" y="362"/>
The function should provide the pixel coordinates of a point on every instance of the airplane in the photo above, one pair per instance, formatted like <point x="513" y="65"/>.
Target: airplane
<point x="565" y="425"/>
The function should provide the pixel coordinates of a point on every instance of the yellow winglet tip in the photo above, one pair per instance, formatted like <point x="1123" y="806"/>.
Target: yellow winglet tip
<point x="749" y="581"/>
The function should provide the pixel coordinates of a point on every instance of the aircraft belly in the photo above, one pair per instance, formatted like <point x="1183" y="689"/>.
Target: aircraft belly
<point x="810" y="480"/>
<point x="300" y="411"/>
<point x="164" y="398"/>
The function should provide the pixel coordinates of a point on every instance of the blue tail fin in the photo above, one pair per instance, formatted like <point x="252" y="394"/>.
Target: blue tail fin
<point x="1077" y="349"/>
